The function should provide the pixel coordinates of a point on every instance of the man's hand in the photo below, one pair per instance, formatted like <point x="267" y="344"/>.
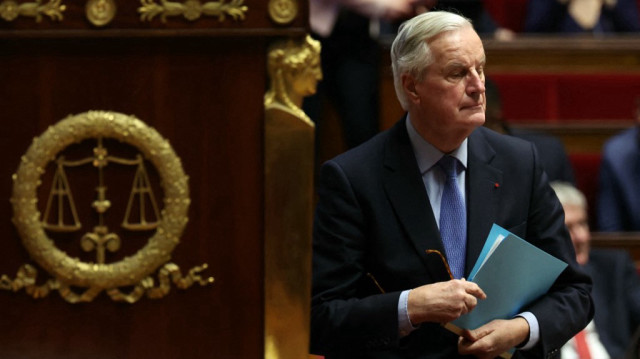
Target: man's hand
<point x="493" y="338"/>
<point x="443" y="302"/>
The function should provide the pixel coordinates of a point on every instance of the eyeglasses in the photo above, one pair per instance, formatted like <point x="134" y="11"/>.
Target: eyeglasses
<point x="444" y="260"/>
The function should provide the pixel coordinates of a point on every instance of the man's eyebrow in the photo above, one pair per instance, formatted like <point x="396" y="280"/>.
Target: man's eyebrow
<point x="455" y="64"/>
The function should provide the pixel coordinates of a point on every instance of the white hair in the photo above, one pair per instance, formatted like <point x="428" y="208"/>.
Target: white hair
<point x="569" y="195"/>
<point x="410" y="53"/>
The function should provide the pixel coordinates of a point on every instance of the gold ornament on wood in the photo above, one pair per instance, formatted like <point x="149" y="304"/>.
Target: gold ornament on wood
<point x="164" y="225"/>
<point x="100" y="12"/>
<point x="283" y="11"/>
<point x="192" y="9"/>
<point x="11" y="9"/>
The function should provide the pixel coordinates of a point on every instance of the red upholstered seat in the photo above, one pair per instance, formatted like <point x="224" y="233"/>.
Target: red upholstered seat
<point x="551" y="97"/>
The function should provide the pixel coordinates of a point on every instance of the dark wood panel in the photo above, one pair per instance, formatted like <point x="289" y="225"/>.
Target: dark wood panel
<point x="629" y="241"/>
<point x="564" y="54"/>
<point x="205" y="96"/>
<point x="579" y="136"/>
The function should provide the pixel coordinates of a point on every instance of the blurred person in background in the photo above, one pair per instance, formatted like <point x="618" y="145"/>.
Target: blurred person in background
<point x="616" y="284"/>
<point x="350" y="60"/>
<point x="582" y="16"/>
<point x="618" y="204"/>
<point x="481" y="19"/>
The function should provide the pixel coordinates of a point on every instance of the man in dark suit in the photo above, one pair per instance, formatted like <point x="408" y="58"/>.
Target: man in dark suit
<point x="378" y="289"/>
<point x="618" y="204"/>
<point x="616" y="284"/>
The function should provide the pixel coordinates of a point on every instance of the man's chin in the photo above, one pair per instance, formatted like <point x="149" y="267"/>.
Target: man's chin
<point x="477" y="119"/>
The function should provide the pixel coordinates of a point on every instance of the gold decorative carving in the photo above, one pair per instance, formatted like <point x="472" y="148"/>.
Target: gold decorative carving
<point x="192" y="9"/>
<point x="283" y="11"/>
<point x="10" y="9"/>
<point x="294" y="69"/>
<point x="94" y="277"/>
<point x="100" y="12"/>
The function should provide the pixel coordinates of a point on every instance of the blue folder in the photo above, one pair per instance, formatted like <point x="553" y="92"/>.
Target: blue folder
<point x="513" y="273"/>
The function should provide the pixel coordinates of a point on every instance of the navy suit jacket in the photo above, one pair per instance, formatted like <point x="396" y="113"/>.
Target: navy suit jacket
<point x="616" y="297"/>
<point x="619" y="189"/>
<point x="552" y="155"/>
<point x="374" y="221"/>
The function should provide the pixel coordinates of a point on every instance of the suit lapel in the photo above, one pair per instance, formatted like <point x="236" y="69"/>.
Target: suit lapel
<point x="483" y="194"/>
<point x="405" y="190"/>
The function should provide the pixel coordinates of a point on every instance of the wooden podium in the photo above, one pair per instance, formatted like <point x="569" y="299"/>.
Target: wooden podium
<point x="195" y="71"/>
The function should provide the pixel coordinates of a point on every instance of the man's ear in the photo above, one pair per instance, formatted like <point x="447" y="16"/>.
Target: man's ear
<point x="409" y="88"/>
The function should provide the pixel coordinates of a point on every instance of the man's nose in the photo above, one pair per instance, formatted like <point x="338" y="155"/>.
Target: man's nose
<point x="475" y="85"/>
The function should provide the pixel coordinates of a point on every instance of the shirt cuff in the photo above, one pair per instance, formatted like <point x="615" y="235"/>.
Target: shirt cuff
<point x="404" y="323"/>
<point x="534" y="330"/>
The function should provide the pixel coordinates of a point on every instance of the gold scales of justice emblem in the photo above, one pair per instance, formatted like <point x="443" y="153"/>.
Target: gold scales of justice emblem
<point x="116" y="140"/>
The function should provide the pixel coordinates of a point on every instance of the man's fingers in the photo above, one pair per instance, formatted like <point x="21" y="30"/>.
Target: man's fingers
<point x="476" y="334"/>
<point x="443" y="302"/>
<point x="475" y="290"/>
<point x="470" y="302"/>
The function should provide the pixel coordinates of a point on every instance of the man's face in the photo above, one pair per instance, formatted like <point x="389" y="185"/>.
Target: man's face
<point x="575" y="218"/>
<point x="450" y="100"/>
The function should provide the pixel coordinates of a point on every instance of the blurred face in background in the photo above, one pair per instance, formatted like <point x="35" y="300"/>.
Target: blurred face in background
<point x="575" y="218"/>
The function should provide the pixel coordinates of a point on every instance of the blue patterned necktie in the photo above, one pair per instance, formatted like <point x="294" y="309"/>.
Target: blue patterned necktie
<point x="453" y="217"/>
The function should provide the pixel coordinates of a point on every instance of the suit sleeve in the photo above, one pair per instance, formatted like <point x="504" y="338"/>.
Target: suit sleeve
<point x="348" y="312"/>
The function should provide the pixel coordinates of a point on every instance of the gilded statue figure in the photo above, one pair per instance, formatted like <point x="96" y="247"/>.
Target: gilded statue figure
<point x="289" y="138"/>
<point x="294" y="69"/>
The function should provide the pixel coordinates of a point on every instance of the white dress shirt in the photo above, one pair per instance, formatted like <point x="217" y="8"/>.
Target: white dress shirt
<point x="596" y="349"/>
